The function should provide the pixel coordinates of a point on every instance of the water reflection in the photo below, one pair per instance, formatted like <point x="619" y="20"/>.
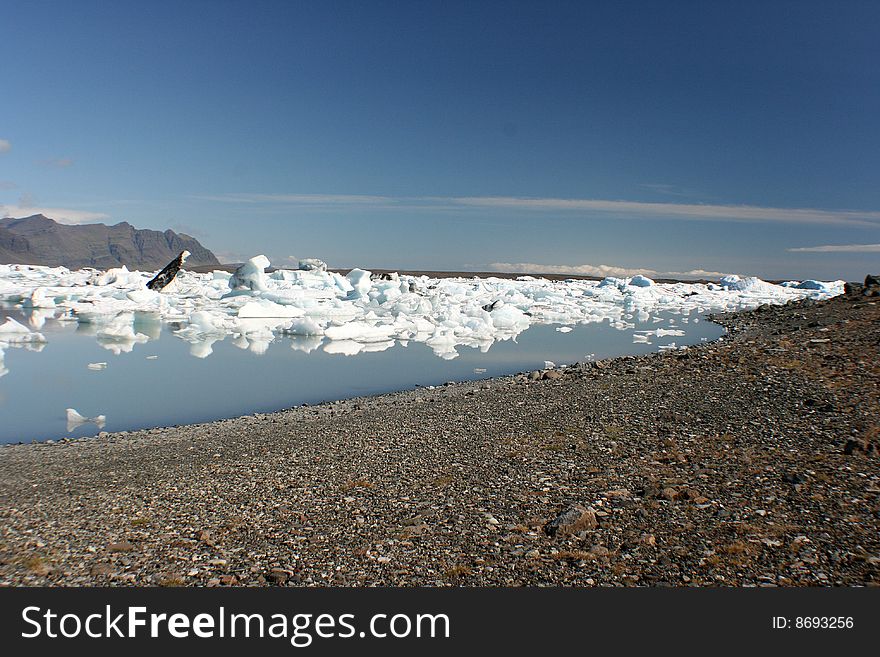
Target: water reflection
<point x="136" y="371"/>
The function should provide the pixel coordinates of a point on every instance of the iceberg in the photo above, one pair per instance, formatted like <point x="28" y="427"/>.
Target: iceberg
<point x="359" y="311"/>
<point x="75" y="420"/>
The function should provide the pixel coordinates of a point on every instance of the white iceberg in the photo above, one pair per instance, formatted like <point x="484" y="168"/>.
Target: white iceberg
<point x="75" y="420"/>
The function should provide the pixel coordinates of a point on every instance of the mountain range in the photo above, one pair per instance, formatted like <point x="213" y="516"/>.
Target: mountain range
<point x="39" y="240"/>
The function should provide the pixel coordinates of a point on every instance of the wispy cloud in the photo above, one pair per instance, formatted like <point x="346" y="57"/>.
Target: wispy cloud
<point x="300" y="199"/>
<point x="670" y="190"/>
<point x="586" y="208"/>
<point x="61" y="215"/>
<point x="58" y="162"/>
<point x="690" y="211"/>
<point x="5" y="146"/>
<point x="597" y="270"/>
<point x="838" y="248"/>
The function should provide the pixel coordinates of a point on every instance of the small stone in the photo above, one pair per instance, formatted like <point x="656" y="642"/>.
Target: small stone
<point x="100" y="569"/>
<point x="552" y="374"/>
<point x="279" y="576"/>
<point x="648" y="539"/>
<point x="122" y="546"/>
<point x="228" y="580"/>
<point x="668" y="493"/>
<point x="572" y="520"/>
<point x="534" y="376"/>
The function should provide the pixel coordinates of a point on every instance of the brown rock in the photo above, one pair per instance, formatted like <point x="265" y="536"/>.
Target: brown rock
<point x="552" y="374"/>
<point x="101" y="569"/>
<point x="121" y="546"/>
<point x="573" y="519"/>
<point x="668" y="493"/>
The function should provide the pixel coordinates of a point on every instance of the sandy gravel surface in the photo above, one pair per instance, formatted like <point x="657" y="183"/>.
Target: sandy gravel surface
<point x="750" y="461"/>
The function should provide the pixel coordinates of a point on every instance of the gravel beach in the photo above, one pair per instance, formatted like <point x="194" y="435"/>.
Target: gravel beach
<point x="751" y="461"/>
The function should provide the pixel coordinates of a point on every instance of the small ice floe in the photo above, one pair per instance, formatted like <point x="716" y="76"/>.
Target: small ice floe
<point x="564" y="329"/>
<point x="152" y="357"/>
<point x="12" y="332"/>
<point x="479" y="370"/>
<point x="75" y="420"/>
<point x="97" y="366"/>
<point x="549" y="364"/>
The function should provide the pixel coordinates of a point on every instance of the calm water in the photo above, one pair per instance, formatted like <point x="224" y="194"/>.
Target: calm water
<point x="159" y="383"/>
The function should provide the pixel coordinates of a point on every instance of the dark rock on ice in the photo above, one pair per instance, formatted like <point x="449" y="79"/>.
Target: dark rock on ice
<point x="169" y="273"/>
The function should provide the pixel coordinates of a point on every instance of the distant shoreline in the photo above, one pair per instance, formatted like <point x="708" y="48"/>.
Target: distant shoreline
<point x="231" y="267"/>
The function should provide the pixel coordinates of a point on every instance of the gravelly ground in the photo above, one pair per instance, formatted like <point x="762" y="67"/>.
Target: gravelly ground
<point x="751" y="461"/>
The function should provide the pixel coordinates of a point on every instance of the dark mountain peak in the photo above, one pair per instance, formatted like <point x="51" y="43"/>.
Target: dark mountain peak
<point x="39" y="240"/>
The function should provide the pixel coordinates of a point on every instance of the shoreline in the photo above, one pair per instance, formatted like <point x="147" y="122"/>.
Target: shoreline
<point x="725" y="464"/>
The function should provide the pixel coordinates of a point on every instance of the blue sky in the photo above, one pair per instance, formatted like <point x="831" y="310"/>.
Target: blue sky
<point x="665" y="137"/>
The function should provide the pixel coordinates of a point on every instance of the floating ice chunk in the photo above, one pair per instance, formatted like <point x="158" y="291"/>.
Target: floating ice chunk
<point x="664" y="332"/>
<point x="509" y="317"/>
<point x="203" y="322"/>
<point x="75" y="419"/>
<point x="549" y="365"/>
<point x="360" y="281"/>
<point x="304" y="326"/>
<point x="251" y="275"/>
<point x="361" y="331"/>
<point x="564" y="329"/>
<point x="97" y="366"/>
<point x="641" y="281"/>
<point x="312" y="264"/>
<point x="119" y="336"/>
<point x="264" y="308"/>
<point x="117" y="275"/>
<point x="144" y="297"/>
<point x="121" y="328"/>
<point x="39" y="298"/>
<point x="749" y="284"/>
<point x="11" y="332"/>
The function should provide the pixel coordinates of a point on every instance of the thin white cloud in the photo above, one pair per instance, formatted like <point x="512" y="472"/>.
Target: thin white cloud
<point x="5" y="146"/>
<point x="58" y="162"/>
<point x="838" y="248"/>
<point x="61" y="215"/>
<point x="692" y="211"/>
<point x="583" y="207"/>
<point x="596" y="270"/>
<point x="300" y="199"/>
